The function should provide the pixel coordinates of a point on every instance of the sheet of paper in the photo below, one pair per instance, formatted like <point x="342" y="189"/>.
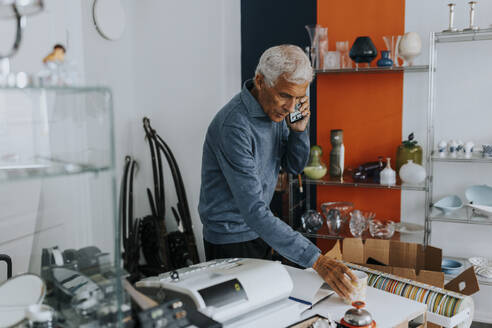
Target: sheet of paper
<point x="307" y="286"/>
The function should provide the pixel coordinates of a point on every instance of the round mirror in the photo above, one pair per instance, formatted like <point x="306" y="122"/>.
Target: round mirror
<point x="109" y="18"/>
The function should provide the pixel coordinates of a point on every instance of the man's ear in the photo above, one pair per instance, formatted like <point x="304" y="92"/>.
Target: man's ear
<point x="259" y="81"/>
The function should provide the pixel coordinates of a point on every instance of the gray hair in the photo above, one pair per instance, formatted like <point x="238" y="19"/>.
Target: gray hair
<point x="286" y="60"/>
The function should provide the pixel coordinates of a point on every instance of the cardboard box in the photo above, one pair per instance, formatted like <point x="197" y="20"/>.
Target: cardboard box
<point x="408" y="260"/>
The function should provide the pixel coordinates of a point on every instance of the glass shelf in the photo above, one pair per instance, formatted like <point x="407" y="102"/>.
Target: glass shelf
<point x="475" y="220"/>
<point x="463" y="216"/>
<point x="461" y="36"/>
<point x="55" y="131"/>
<point x="418" y="68"/>
<point x="343" y="234"/>
<point x="466" y="265"/>
<point x="58" y="89"/>
<point x="475" y="158"/>
<point x="348" y="181"/>
<point x="45" y="169"/>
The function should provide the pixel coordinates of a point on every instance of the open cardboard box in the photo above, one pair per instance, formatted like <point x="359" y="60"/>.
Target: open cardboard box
<point x="407" y="260"/>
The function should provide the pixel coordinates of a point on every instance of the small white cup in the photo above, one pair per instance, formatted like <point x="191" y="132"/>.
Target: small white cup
<point x="452" y="146"/>
<point x="468" y="148"/>
<point x="460" y="147"/>
<point x="442" y="148"/>
<point x="360" y="287"/>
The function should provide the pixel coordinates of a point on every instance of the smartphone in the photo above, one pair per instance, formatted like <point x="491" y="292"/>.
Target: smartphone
<point x="297" y="115"/>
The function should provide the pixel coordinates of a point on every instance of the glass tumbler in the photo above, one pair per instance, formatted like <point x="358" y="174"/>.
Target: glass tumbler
<point x="358" y="223"/>
<point x="343" y="48"/>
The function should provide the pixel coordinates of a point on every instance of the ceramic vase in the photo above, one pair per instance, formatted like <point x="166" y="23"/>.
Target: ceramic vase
<point x="315" y="169"/>
<point x="412" y="173"/>
<point x="410" y="47"/>
<point x="337" y="154"/>
<point x="385" y="60"/>
<point x="363" y="50"/>
<point x="388" y="175"/>
<point x="409" y="149"/>
<point x="319" y="43"/>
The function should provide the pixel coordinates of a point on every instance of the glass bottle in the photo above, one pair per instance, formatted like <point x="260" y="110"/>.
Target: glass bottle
<point x="388" y="175"/>
<point x="315" y="169"/>
<point x="337" y="154"/>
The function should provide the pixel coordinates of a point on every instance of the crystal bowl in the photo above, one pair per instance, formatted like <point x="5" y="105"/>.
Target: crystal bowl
<point x="336" y="214"/>
<point x="383" y="230"/>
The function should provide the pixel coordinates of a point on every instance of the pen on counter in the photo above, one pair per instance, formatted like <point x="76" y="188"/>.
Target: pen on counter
<point x="300" y="183"/>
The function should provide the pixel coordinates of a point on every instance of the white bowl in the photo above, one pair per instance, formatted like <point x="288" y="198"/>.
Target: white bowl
<point x="449" y="204"/>
<point x="479" y="195"/>
<point x="482" y="210"/>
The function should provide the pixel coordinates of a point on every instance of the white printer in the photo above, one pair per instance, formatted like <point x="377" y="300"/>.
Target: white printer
<point x="235" y="292"/>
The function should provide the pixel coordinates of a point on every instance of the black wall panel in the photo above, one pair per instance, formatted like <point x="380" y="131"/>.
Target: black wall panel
<point x="266" y="23"/>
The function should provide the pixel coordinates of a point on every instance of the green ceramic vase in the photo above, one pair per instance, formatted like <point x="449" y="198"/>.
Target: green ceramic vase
<point x="315" y="169"/>
<point x="408" y="150"/>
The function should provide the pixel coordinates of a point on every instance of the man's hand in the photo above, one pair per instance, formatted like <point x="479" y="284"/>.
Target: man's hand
<point x="335" y="274"/>
<point x="300" y="125"/>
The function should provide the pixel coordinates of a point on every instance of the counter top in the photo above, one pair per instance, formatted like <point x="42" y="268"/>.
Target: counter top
<point x="388" y="310"/>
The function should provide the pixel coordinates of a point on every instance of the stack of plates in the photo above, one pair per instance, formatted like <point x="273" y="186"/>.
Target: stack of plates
<point x="482" y="266"/>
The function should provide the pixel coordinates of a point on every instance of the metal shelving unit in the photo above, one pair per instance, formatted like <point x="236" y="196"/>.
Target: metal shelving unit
<point x="463" y="36"/>
<point x="296" y="206"/>
<point x="348" y="181"/>
<point x="476" y="157"/>
<point x="464" y="215"/>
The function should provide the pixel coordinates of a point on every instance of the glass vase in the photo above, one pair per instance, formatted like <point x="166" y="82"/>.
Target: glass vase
<point x="318" y="36"/>
<point x="392" y="42"/>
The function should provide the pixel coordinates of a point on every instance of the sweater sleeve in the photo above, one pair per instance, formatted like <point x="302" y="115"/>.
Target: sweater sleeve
<point x="237" y="162"/>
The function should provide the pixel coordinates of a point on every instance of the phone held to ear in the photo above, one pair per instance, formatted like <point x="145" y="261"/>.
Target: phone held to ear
<point x="297" y="115"/>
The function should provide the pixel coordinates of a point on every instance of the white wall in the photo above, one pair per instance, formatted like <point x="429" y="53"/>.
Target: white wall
<point x="177" y="62"/>
<point x="187" y="68"/>
<point x="462" y="112"/>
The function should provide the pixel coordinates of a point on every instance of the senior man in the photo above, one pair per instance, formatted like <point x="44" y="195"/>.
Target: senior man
<point x="248" y="141"/>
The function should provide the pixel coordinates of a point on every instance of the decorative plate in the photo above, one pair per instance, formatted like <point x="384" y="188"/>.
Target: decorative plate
<point x="479" y="261"/>
<point x="16" y="294"/>
<point x="484" y="272"/>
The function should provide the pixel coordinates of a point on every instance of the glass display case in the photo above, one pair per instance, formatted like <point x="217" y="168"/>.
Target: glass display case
<point x="57" y="194"/>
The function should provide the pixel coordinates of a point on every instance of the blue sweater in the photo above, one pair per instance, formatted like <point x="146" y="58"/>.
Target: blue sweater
<point x="242" y="155"/>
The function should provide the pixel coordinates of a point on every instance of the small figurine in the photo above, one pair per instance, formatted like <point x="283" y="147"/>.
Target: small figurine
<point x="57" y="55"/>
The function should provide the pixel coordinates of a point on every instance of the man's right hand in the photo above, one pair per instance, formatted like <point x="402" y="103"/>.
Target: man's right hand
<point x="335" y="274"/>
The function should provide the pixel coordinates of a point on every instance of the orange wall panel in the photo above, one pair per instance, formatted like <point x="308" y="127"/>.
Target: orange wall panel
<point x="368" y="107"/>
